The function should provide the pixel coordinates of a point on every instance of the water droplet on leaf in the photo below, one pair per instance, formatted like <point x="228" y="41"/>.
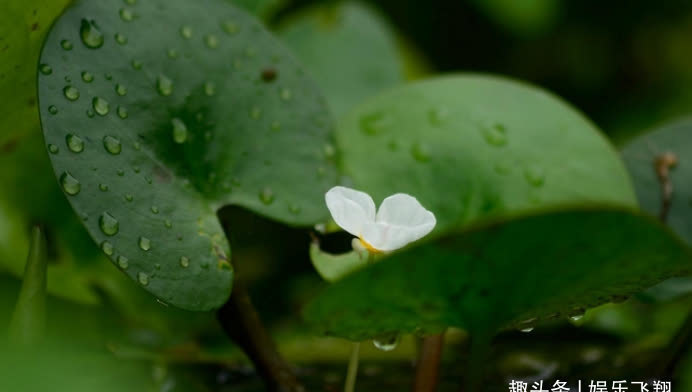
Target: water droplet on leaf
<point x="184" y="262"/>
<point x="92" y="37"/>
<point x="108" y="224"/>
<point x="74" y="143"/>
<point x="266" y="196"/>
<point x="144" y="243"/>
<point x="65" y="44"/>
<point x="87" y="77"/>
<point x="386" y="343"/>
<point x="69" y="184"/>
<point x="123" y="262"/>
<point x="101" y="106"/>
<point x="45" y="69"/>
<point x="112" y="144"/>
<point x="164" y="86"/>
<point x="179" y="131"/>
<point x="420" y="152"/>
<point x="107" y="248"/>
<point x="143" y="278"/>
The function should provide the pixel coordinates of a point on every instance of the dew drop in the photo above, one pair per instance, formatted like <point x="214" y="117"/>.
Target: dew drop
<point x="154" y="210"/>
<point x="143" y="278"/>
<point x="90" y="113"/>
<point x="122" y="112"/>
<point x="386" y="343"/>
<point x="266" y="196"/>
<point x="101" y="106"/>
<point x="179" y="131"/>
<point x="87" y="77"/>
<point x="576" y="318"/>
<point x="69" y="184"/>
<point x="230" y="27"/>
<point x="286" y="94"/>
<point x="120" y="39"/>
<point x="129" y="197"/>
<point x="420" y="152"/>
<point x="53" y="149"/>
<point x="534" y="175"/>
<point x="45" y="69"/>
<point x="184" y="262"/>
<point x="168" y="224"/>
<point x="172" y="53"/>
<point x="164" y="86"/>
<point x="211" y="41"/>
<point x="186" y="32"/>
<point x="144" y="243"/>
<point x="126" y="14"/>
<point x="92" y="37"/>
<point x="66" y="45"/>
<point x="74" y="143"/>
<point x="52" y="110"/>
<point x="136" y="64"/>
<point x="123" y="262"/>
<point x="120" y="89"/>
<point x="209" y="89"/>
<point x="108" y="224"/>
<point x="103" y="187"/>
<point x="495" y="134"/>
<point x="294" y="209"/>
<point x="527" y="330"/>
<point x="108" y="76"/>
<point x="112" y="144"/>
<point x="374" y="123"/>
<point x="121" y="172"/>
<point x="276" y="126"/>
<point x="107" y="248"/>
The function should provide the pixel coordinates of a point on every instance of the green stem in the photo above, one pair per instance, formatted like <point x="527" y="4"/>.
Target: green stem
<point x="29" y="317"/>
<point x="352" y="369"/>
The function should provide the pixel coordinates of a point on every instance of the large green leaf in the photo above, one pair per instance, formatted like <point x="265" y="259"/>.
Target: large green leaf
<point x="472" y="146"/>
<point x="349" y="48"/>
<point x="507" y="273"/>
<point x="158" y="113"/>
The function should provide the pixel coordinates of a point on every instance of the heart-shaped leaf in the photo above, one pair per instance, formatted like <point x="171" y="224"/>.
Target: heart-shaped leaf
<point x="474" y="149"/>
<point x="350" y="49"/>
<point x="471" y="147"/>
<point x="158" y="113"/>
<point x="508" y="273"/>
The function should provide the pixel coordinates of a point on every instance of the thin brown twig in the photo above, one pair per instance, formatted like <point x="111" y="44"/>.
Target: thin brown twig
<point x="428" y="363"/>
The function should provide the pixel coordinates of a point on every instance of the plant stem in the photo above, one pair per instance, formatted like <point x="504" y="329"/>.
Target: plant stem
<point x="352" y="371"/>
<point x="428" y="363"/>
<point x="241" y="322"/>
<point x="29" y="318"/>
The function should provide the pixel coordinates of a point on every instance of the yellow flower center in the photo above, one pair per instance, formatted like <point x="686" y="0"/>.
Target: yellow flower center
<point x="367" y="246"/>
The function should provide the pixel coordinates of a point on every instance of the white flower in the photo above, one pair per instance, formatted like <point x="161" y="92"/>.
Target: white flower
<point x="400" y="220"/>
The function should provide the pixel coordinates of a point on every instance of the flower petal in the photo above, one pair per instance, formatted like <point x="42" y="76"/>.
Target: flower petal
<point x="400" y="221"/>
<point x="350" y="208"/>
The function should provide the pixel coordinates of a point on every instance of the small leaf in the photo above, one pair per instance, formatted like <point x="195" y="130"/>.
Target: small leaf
<point x="334" y="267"/>
<point x="472" y="147"/>
<point x="349" y="47"/>
<point x="202" y="130"/>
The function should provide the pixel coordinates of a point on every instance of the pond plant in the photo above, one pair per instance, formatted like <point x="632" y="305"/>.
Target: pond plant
<point x="502" y="207"/>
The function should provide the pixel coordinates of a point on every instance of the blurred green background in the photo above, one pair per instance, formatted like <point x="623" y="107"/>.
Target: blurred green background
<point x="626" y="64"/>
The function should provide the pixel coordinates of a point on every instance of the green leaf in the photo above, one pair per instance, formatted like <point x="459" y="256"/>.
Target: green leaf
<point x="334" y="267"/>
<point x="157" y="114"/>
<point x="641" y="155"/>
<point x="470" y="147"/>
<point x="264" y="9"/>
<point x="507" y="273"/>
<point x="349" y="48"/>
<point x="23" y="25"/>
